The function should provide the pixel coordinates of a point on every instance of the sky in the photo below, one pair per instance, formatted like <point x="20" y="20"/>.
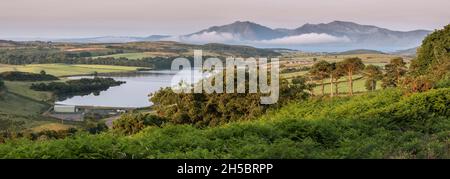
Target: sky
<point x="90" y="18"/>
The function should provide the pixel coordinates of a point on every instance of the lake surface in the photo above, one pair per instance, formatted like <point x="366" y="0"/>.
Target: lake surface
<point x="133" y="93"/>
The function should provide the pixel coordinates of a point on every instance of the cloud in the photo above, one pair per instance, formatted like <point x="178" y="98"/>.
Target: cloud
<point x="228" y="38"/>
<point x="304" y="39"/>
<point x="206" y="37"/>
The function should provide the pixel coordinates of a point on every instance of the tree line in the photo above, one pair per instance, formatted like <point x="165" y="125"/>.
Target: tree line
<point x="82" y="86"/>
<point x="25" y="76"/>
<point x="393" y="72"/>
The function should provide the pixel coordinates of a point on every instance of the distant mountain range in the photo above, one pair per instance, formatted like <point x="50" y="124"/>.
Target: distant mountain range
<point x="336" y="36"/>
<point x="333" y="36"/>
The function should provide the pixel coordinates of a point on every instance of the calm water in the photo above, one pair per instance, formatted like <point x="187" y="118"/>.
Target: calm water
<point x="134" y="93"/>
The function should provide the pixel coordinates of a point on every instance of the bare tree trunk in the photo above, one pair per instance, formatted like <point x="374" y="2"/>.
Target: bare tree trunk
<point x="336" y="87"/>
<point x="331" y="86"/>
<point x="373" y="85"/>
<point x="323" y="88"/>
<point x="312" y="89"/>
<point x="350" y="82"/>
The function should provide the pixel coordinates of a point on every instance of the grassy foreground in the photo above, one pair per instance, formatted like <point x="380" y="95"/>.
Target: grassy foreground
<point x="383" y="124"/>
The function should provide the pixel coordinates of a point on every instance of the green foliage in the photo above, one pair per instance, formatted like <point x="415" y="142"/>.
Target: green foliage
<point x="203" y="109"/>
<point x="24" y="76"/>
<point x="372" y="74"/>
<point x="434" y="54"/>
<point x="382" y="124"/>
<point x="351" y="66"/>
<point x="394" y="71"/>
<point x="132" y="123"/>
<point x="2" y="85"/>
<point x="320" y="71"/>
<point x="74" y="87"/>
<point x="94" y="126"/>
<point x="444" y="82"/>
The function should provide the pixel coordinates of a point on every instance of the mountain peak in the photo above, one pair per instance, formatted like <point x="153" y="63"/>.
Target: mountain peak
<point x="245" y="30"/>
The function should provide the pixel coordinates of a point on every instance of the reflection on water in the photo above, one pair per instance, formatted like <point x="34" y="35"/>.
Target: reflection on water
<point x="134" y="93"/>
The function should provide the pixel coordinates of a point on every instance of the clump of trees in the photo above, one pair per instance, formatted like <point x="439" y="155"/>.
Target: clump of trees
<point x="2" y="85"/>
<point x="203" y="109"/>
<point x="395" y="70"/>
<point x="433" y="56"/>
<point x="25" y="76"/>
<point x="82" y="86"/>
<point x="431" y="67"/>
<point x="334" y="71"/>
<point x="132" y="123"/>
<point x="350" y="67"/>
<point x="373" y="74"/>
<point x="321" y="70"/>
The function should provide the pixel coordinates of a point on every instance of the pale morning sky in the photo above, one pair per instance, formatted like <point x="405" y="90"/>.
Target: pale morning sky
<point x="88" y="18"/>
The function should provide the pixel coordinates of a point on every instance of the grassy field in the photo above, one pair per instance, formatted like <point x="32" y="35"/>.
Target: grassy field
<point x="23" y="89"/>
<point x="343" y="87"/>
<point x="17" y="105"/>
<point x="303" y="59"/>
<point x="138" y="55"/>
<point x="52" y="127"/>
<point x="66" y="69"/>
<point x="27" y="109"/>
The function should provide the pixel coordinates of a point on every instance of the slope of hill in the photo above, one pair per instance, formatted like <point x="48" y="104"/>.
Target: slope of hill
<point x="383" y="124"/>
<point x="244" y="31"/>
<point x="407" y="52"/>
<point x="359" y="51"/>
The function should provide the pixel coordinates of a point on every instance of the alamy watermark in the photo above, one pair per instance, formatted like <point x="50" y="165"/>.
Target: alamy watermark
<point x="208" y="76"/>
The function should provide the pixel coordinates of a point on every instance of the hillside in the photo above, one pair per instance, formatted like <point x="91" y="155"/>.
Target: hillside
<point x="359" y="51"/>
<point x="382" y="124"/>
<point x="407" y="52"/>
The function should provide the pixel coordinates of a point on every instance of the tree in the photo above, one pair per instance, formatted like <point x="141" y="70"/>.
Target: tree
<point x="373" y="74"/>
<point x="335" y="74"/>
<point x="2" y="84"/>
<point x="321" y="70"/>
<point x="43" y="73"/>
<point x="351" y="66"/>
<point x="394" y="71"/>
<point x="95" y="74"/>
<point x="433" y="56"/>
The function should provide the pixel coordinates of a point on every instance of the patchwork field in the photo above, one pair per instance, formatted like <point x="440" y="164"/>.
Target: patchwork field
<point x="66" y="69"/>
<point x="306" y="59"/>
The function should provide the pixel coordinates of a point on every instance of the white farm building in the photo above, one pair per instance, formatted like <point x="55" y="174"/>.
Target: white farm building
<point x="64" y="109"/>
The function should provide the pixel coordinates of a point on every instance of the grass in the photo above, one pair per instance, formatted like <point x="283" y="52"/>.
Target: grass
<point x="51" y="127"/>
<point x="17" y="105"/>
<point x="66" y="69"/>
<point x="23" y="89"/>
<point x="138" y="55"/>
<point x="302" y="59"/>
<point x="343" y="86"/>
